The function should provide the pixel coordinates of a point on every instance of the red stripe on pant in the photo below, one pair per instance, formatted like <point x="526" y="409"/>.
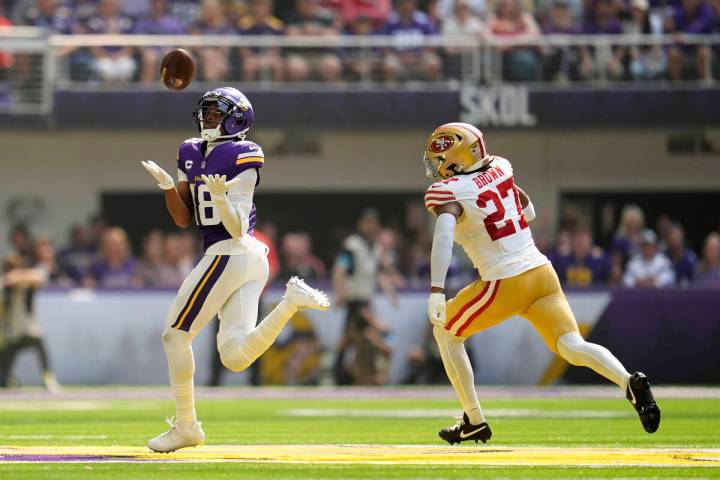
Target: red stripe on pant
<point x="480" y="310"/>
<point x="466" y="306"/>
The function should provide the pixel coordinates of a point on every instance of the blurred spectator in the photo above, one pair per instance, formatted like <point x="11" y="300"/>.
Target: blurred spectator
<point x="519" y="63"/>
<point x="112" y="63"/>
<point x="181" y="256"/>
<point x="708" y="272"/>
<point x="461" y="24"/>
<point x="649" y="268"/>
<point x="135" y="8"/>
<point x="55" y="18"/>
<point x="683" y="259"/>
<point x="21" y="278"/>
<point x="21" y="241"/>
<point x="46" y="260"/>
<point x="262" y="62"/>
<point x="234" y="10"/>
<point x="390" y="277"/>
<point x="359" y="63"/>
<point x="76" y="259"/>
<point x="115" y="268"/>
<point x="602" y="19"/>
<point x="586" y="265"/>
<point x="446" y="8"/>
<point x="690" y="17"/>
<point x="627" y="238"/>
<point x="158" y="22"/>
<point x="160" y="264"/>
<point x="298" y="260"/>
<point x="418" y="262"/>
<point x="560" y="20"/>
<point x="644" y="62"/>
<point x="375" y="11"/>
<point x="362" y="353"/>
<point x="214" y="61"/>
<point x="309" y="20"/>
<point x="409" y="27"/>
<point x="663" y="225"/>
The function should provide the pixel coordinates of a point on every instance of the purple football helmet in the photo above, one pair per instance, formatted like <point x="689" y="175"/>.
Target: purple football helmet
<point x="223" y="113"/>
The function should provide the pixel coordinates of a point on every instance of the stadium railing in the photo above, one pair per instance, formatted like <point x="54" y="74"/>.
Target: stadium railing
<point x="42" y="62"/>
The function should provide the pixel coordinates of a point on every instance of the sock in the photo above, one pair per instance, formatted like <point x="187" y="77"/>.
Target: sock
<point x="459" y="372"/>
<point x="239" y="352"/>
<point x="181" y="367"/>
<point x="573" y="348"/>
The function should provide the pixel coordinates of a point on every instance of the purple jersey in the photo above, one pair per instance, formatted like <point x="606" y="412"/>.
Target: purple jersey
<point x="229" y="159"/>
<point x="582" y="272"/>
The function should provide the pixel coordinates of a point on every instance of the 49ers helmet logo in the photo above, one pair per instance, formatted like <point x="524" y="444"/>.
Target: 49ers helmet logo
<point x="441" y="144"/>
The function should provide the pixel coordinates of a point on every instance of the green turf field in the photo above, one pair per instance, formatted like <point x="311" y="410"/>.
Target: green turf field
<point x="245" y="438"/>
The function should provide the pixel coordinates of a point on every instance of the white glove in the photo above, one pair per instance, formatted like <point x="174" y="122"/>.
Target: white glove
<point x="436" y="309"/>
<point x="165" y="181"/>
<point x="217" y="185"/>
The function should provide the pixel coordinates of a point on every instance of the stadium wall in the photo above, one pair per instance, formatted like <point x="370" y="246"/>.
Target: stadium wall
<point x="57" y="180"/>
<point x="673" y="336"/>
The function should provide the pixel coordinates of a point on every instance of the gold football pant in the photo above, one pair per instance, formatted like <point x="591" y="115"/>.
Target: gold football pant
<point x="535" y="295"/>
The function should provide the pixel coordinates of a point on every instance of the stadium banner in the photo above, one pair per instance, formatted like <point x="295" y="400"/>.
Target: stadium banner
<point x="114" y="337"/>
<point x="500" y="106"/>
<point x="671" y="335"/>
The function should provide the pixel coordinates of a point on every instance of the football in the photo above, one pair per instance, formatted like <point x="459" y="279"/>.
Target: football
<point x="176" y="69"/>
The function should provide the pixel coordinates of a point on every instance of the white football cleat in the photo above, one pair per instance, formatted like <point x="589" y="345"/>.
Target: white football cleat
<point x="302" y="296"/>
<point x="177" y="437"/>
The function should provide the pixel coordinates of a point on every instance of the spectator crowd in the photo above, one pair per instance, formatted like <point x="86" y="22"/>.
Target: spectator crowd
<point x="630" y="254"/>
<point x="408" y="21"/>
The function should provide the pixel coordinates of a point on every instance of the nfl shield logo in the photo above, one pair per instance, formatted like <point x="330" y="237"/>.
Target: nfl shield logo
<point x="202" y="165"/>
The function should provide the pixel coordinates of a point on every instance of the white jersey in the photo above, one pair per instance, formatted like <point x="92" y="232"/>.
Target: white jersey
<point x="492" y="230"/>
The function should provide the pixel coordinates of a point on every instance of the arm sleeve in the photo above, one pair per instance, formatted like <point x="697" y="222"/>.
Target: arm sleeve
<point x="529" y="211"/>
<point x="442" y="249"/>
<point x="182" y="176"/>
<point x="234" y="207"/>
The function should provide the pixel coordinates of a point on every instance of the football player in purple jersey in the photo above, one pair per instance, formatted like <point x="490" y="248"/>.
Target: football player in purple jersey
<point x="217" y="175"/>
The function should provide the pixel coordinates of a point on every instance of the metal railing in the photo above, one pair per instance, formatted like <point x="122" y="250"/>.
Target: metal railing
<point x="597" y="61"/>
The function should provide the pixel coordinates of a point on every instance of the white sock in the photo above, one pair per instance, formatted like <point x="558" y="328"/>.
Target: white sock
<point x="238" y="353"/>
<point x="573" y="348"/>
<point x="459" y="372"/>
<point x="181" y="366"/>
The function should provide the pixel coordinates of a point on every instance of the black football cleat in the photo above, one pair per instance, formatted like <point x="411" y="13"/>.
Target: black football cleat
<point x="639" y="394"/>
<point x="464" y="431"/>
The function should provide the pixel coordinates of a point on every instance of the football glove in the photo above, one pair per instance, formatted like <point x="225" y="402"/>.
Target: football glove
<point x="165" y="181"/>
<point x="218" y="186"/>
<point x="436" y="309"/>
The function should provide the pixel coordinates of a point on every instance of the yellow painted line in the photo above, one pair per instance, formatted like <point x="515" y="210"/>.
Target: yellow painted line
<point x="380" y="454"/>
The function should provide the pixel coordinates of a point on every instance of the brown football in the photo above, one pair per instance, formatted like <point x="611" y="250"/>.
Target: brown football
<point x="176" y="69"/>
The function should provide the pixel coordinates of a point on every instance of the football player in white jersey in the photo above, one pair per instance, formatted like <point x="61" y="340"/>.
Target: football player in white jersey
<point x="478" y="205"/>
<point x="217" y="176"/>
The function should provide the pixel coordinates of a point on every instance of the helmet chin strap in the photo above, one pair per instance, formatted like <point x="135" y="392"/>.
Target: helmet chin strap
<point x="210" y="134"/>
